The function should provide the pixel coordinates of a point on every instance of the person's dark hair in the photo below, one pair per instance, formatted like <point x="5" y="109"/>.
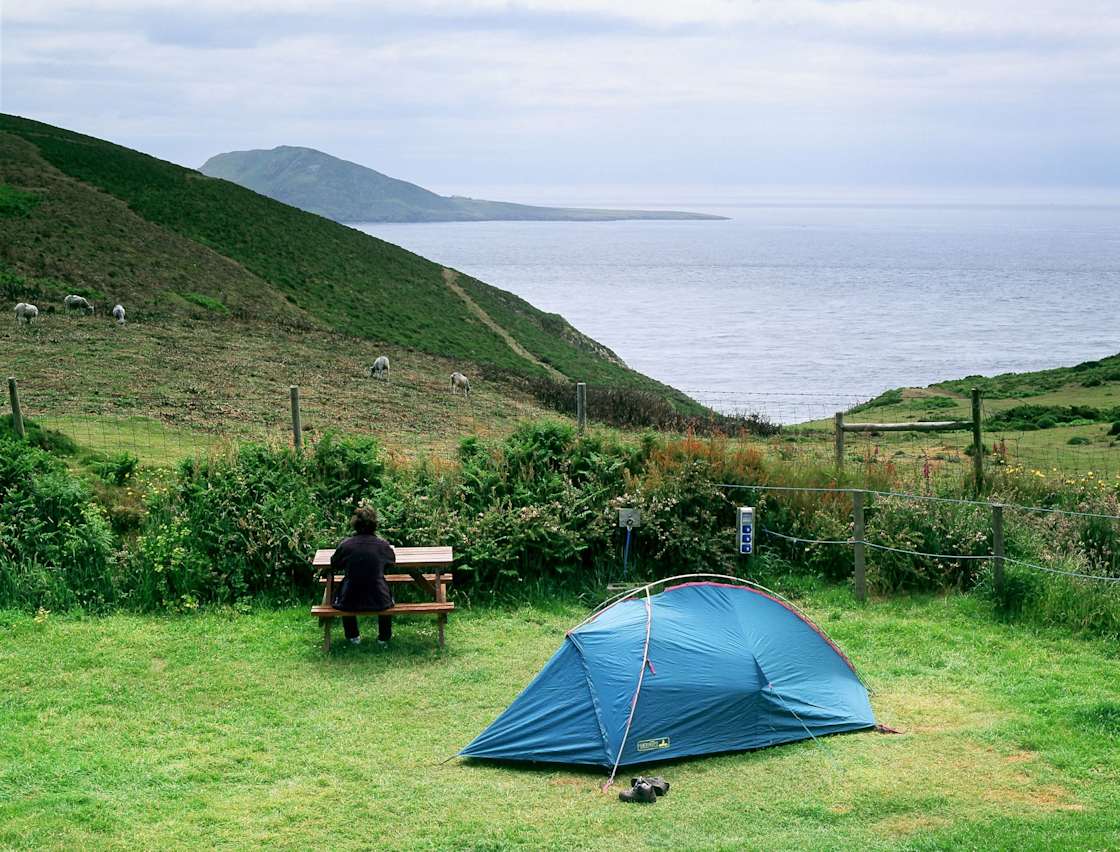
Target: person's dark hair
<point x="364" y="520"/>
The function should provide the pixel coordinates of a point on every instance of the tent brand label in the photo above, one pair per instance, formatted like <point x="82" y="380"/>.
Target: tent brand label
<point x="653" y="745"/>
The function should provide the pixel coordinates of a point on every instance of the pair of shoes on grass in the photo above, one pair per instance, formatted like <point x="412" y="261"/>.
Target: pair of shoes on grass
<point x="357" y="640"/>
<point x="644" y="790"/>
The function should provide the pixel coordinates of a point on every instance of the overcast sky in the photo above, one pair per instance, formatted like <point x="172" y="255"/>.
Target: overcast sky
<point x="662" y="93"/>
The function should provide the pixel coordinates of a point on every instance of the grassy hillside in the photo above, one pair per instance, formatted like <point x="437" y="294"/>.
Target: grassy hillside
<point x="1020" y="401"/>
<point x="1073" y="383"/>
<point x="82" y="215"/>
<point x="64" y="237"/>
<point x="1058" y="418"/>
<point x="348" y="192"/>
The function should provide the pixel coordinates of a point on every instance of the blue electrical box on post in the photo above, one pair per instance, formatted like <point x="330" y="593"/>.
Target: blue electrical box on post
<point x="746" y="530"/>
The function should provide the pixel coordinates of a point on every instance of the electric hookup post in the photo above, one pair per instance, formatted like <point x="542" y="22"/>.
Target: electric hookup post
<point x="628" y="518"/>
<point x="746" y="530"/>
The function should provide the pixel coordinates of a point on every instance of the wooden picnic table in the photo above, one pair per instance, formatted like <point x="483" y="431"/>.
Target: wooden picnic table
<point x="413" y="560"/>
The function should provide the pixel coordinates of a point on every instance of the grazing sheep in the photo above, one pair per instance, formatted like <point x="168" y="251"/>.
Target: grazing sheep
<point x="77" y="303"/>
<point x="25" y="313"/>
<point x="380" y="368"/>
<point x="118" y="314"/>
<point x="460" y="382"/>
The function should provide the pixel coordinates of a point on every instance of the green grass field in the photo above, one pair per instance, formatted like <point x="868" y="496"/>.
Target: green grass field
<point x="229" y="730"/>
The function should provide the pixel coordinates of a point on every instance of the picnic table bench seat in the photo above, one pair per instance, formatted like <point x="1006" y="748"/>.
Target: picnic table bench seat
<point x="413" y="560"/>
<point x="403" y="578"/>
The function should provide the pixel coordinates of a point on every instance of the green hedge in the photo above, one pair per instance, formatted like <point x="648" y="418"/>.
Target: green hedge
<point x="533" y="512"/>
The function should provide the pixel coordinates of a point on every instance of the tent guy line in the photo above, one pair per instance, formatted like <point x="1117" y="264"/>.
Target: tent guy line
<point x="637" y="692"/>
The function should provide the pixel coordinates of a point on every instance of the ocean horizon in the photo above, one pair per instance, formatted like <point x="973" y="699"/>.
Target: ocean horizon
<point x="791" y="308"/>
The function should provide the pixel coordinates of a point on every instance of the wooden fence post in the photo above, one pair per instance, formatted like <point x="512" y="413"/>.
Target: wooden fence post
<point x="997" y="547"/>
<point x="977" y="442"/>
<point x="581" y="406"/>
<point x="297" y="427"/>
<point x="17" y="412"/>
<point x="858" y="548"/>
<point x="839" y="440"/>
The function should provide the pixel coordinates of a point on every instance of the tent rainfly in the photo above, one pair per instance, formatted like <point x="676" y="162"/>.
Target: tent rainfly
<point x="701" y="667"/>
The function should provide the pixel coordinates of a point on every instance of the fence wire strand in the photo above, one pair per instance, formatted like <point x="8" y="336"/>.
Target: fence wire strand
<point x="1099" y="577"/>
<point x="794" y="538"/>
<point x="950" y="557"/>
<point x="925" y="497"/>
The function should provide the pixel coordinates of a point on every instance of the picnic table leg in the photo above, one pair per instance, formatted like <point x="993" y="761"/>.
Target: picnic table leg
<point x="441" y="597"/>
<point x="327" y="635"/>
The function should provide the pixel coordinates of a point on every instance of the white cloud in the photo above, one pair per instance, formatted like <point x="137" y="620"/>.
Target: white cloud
<point x="708" y="90"/>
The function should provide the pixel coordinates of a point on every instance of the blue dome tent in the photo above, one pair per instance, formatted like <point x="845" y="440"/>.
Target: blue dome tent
<point x="707" y="665"/>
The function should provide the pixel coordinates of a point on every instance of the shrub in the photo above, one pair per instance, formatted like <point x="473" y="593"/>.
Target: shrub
<point x="16" y="203"/>
<point x="345" y="470"/>
<point x="117" y="469"/>
<point x="245" y="525"/>
<point x="886" y="398"/>
<point x="628" y="407"/>
<point x="1078" y="440"/>
<point x="534" y="510"/>
<point x="207" y="302"/>
<point x="13" y="286"/>
<point x="56" y="547"/>
<point x="1027" y="417"/>
<point x="687" y="522"/>
<point x="232" y="527"/>
<point x="534" y="505"/>
<point x="954" y="529"/>
<point x="826" y="517"/>
<point x="1115" y="428"/>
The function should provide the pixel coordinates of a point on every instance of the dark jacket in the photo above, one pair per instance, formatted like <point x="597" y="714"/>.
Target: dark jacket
<point x="364" y="560"/>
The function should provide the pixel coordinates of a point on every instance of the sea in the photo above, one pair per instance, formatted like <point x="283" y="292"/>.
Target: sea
<point x="795" y="310"/>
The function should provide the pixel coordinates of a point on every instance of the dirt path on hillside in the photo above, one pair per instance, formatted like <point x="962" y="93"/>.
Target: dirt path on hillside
<point x="451" y="277"/>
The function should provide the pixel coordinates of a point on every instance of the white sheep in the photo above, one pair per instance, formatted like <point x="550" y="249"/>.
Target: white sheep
<point x="25" y="313"/>
<point x="460" y="382"/>
<point x="77" y="303"/>
<point x="380" y="368"/>
<point x="118" y="314"/>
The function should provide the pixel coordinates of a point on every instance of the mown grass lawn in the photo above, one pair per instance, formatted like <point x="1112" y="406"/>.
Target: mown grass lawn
<point x="226" y="730"/>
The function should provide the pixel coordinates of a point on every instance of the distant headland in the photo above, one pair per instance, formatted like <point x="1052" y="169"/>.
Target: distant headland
<point x="348" y="192"/>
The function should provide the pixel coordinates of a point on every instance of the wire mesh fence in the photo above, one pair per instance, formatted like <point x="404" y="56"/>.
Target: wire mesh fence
<point x="1076" y="544"/>
<point x="160" y="427"/>
<point x="808" y="433"/>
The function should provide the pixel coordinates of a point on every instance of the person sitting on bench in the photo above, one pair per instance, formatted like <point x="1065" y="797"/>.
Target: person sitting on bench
<point x="364" y="558"/>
